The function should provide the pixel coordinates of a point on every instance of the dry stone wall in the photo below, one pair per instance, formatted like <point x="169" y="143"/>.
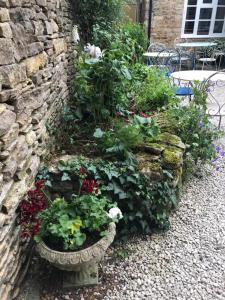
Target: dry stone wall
<point x="36" y="58"/>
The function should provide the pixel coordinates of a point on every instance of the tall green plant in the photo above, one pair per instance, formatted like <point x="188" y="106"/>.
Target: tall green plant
<point x="88" y="13"/>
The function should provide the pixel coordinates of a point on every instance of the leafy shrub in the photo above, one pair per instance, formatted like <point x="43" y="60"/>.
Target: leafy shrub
<point x="145" y="206"/>
<point x="125" y="136"/>
<point x="130" y="38"/>
<point x="154" y="92"/>
<point x="101" y="86"/>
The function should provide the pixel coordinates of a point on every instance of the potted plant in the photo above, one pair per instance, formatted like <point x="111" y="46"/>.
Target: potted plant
<point x="72" y="235"/>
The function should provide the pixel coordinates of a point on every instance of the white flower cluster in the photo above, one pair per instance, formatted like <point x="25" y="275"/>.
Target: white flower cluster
<point x="115" y="212"/>
<point x="95" y="52"/>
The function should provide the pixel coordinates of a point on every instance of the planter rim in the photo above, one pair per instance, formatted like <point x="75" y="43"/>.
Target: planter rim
<point x="111" y="228"/>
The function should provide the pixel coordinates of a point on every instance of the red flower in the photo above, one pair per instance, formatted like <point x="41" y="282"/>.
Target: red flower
<point x="83" y="170"/>
<point x="118" y="114"/>
<point x="90" y="186"/>
<point x="29" y="208"/>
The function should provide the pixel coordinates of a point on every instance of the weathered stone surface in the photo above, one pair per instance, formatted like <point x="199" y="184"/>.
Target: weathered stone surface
<point x="4" y="15"/>
<point x="59" y="46"/>
<point x="5" y="30"/>
<point x="172" y="158"/>
<point x="36" y="63"/>
<point x="7" y="118"/>
<point x="6" y="52"/>
<point x="12" y="75"/>
<point x="9" y="169"/>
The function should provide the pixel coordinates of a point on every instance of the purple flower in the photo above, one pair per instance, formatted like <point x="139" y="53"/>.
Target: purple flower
<point x="217" y="168"/>
<point x="215" y="159"/>
<point x="222" y="153"/>
<point x="200" y="124"/>
<point x="218" y="149"/>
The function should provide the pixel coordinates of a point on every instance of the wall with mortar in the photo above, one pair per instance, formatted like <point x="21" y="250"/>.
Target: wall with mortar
<point x="167" y="21"/>
<point x="36" y="58"/>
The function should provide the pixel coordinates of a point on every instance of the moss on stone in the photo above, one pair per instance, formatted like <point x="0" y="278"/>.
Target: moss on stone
<point x="172" y="158"/>
<point x="170" y="139"/>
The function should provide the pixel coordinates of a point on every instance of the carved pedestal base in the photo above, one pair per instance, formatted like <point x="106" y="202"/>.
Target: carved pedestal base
<point x="85" y="277"/>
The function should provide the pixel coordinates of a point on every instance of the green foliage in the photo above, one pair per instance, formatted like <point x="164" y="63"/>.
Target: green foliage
<point x="66" y="225"/>
<point x="154" y="92"/>
<point x="101" y="86"/>
<point x="130" y="38"/>
<point x="192" y="125"/>
<point x="125" y="136"/>
<point x="89" y="13"/>
<point x="145" y="206"/>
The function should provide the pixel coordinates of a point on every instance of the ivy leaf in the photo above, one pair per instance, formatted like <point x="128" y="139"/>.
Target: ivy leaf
<point x="98" y="133"/>
<point x="65" y="177"/>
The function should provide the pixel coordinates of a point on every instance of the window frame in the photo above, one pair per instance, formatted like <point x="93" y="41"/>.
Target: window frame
<point x="214" y="5"/>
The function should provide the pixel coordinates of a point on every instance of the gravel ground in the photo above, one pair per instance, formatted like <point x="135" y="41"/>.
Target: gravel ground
<point x="187" y="262"/>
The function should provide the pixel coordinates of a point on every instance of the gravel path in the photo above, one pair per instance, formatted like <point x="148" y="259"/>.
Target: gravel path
<point x="187" y="262"/>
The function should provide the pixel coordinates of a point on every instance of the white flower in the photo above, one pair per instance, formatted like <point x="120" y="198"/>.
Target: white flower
<point x="115" y="212"/>
<point x="75" y="33"/>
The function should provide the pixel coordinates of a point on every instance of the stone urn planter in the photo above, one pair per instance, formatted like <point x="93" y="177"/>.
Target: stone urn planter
<point x="81" y="266"/>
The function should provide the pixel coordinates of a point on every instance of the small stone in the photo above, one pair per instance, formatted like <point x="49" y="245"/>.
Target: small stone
<point x="7" y="118"/>
<point x="6" y="52"/>
<point x="36" y="63"/>
<point x="4" y="15"/>
<point x="48" y="28"/>
<point x="59" y="46"/>
<point x="5" y="30"/>
<point x="31" y="138"/>
<point x="4" y="3"/>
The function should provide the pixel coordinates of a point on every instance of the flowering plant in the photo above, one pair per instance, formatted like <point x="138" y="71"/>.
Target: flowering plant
<point x="67" y="225"/>
<point x="29" y="208"/>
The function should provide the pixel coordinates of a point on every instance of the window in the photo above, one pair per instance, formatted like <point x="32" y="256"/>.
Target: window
<point x="204" y="18"/>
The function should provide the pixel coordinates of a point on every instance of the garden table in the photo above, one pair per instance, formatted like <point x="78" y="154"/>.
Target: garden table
<point x="198" y="75"/>
<point x="158" y="54"/>
<point x="194" y="46"/>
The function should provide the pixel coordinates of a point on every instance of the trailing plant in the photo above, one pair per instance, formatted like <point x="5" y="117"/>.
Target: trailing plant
<point x="145" y="206"/>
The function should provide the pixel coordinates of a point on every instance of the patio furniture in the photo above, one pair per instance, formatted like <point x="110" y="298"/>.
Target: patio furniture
<point x="195" y="46"/>
<point x="153" y="48"/>
<point x="208" y="58"/>
<point x="214" y="85"/>
<point x="213" y="82"/>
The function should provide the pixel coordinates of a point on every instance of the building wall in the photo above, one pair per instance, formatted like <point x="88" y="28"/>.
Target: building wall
<point x="167" y="21"/>
<point x="36" y="56"/>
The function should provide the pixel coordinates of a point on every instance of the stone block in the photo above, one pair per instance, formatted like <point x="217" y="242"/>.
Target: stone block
<point x="31" y="138"/>
<point x="35" y="48"/>
<point x="12" y="75"/>
<point x="4" y="15"/>
<point x="6" y="52"/>
<point x="11" y="136"/>
<point x="48" y="28"/>
<point x="7" y="118"/>
<point x="15" y="3"/>
<point x="33" y="64"/>
<point x="5" y="30"/>
<point x="55" y="27"/>
<point x="4" y="3"/>
<point x="10" y="169"/>
<point x="41" y="2"/>
<point x="5" y="191"/>
<point x="59" y="46"/>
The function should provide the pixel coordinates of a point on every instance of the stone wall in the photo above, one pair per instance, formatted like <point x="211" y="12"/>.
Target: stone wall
<point x="36" y="59"/>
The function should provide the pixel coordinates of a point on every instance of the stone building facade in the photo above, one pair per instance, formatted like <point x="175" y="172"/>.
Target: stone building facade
<point x="36" y="61"/>
<point x="166" y="20"/>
